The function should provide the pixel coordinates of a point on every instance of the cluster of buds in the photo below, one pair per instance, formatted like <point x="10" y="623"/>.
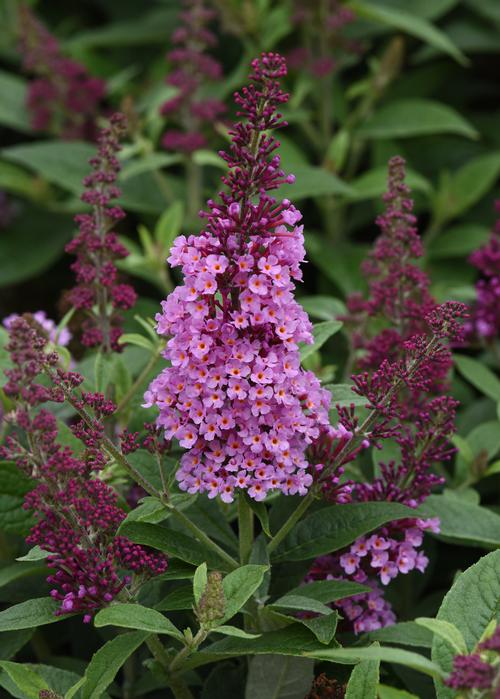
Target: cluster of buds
<point x="99" y="292"/>
<point x="63" y="98"/>
<point x="212" y="605"/>
<point x="325" y="687"/>
<point x="192" y="68"/>
<point x="404" y="366"/>
<point x="478" y="674"/>
<point x="327" y="44"/>
<point x="76" y="513"/>
<point x="484" y="323"/>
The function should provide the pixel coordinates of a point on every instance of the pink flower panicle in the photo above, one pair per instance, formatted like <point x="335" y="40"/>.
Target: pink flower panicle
<point x="63" y="98"/>
<point x="192" y="68"/>
<point x="235" y="395"/>
<point x="99" y="292"/>
<point x="77" y="515"/>
<point x="485" y="312"/>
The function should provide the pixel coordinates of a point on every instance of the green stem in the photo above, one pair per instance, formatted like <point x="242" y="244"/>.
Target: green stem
<point x="139" y="380"/>
<point x="187" y="650"/>
<point x="201" y="536"/>
<point x="194" y="187"/>
<point x="179" y="688"/>
<point x="245" y="529"/>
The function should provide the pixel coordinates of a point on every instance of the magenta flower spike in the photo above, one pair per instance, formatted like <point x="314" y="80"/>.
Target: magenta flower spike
<point x="485" y="312"/>
<point x="189" y="113"/>
<point x="98" y="292"/>
<point x="63" y="97"/>
<point x="76" y="513"/>
<point x="235" y="395"/>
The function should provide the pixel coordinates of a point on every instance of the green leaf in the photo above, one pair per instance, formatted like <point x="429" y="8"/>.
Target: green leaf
<point x="20" y="570"/>
<point x="407" y="22"/>
<point x="137" y="340"/>
<point x="181" y="598"/>
<point x="169" y="225"/>
<point x="208" y="157"/>
<point x="13" y="112"/>
<point x="11" y="642"/>
<point x="209" y="516"/>
<point x="471" y="182"/>
<point x="406" y="633"/>
<point x="323" y="627"/>
<point x="25" y="679"/>
<point x="294" y="640"/>
<point x="38" y="246"/>
<point x="239" y="586"/>
<point x="226" y="630"/>
<point x="470" y="605"/>
<point x="279" y="677"/>
<point x="463" y="522"/>
<point x="261" y="512"/>
<point x="13" y="487"/>
<point x="321" y="333"/>
<point x="106" y="662"/>
<point x="382" y="654"/>
<point x="363" y="682"/>
<point x="386" y="692"/>
<point x="485" y="439"/>
<point x="339" y="263"/>
<point x="135" y="616"/>
<point x="445" y="630"/>
<point x="200" y="580"/>
<point x="172" y="542"/>
<point x="323" y="307"/>
<point x="154" y="161"/>
<point x="16" y="180"/>
<point x="62" y="163"/>
<point x="458" y="241"/>
<point x="301" y="603"/>
<point x="332" y="528"/>
<point x="343" y="395"/>
<point x="479" y="376"/>
<point x="103" y="364"/>
<point x="373" y="184"/>
<point x="329" y="590"/>
<point x="60" y="681"/>
<point x="313" y="182"/>
<point x="149" y="510"/>
<point x="405" y="118"/>
<point x="30" y="614"/>
<point x="144" y="29"/>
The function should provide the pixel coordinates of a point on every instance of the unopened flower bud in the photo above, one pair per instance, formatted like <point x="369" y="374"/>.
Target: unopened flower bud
<point x="212" y="604"/>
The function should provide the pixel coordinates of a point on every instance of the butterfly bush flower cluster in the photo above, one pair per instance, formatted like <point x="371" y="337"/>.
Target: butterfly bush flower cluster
<point x="235" y="395"/>
<point x="326" y="22"/>
<point x="405" y="366"/>
<point x="63" y="98"/>
<point x="478" y="674"/>
<point x="99" y="293"/>
<point x="485" y="313"/>
<point x="76" y="513"/>
<point x="61" y="338"/>
<point x="192" y="68"/>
